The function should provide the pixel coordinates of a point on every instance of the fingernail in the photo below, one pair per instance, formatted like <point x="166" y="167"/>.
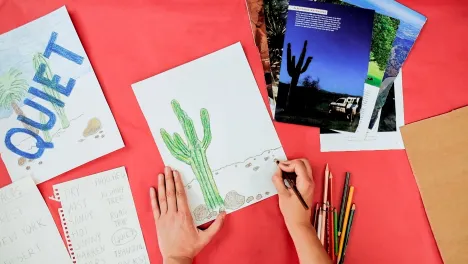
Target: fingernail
<point x="176" y="173"/>
<point x="161" y="177"/>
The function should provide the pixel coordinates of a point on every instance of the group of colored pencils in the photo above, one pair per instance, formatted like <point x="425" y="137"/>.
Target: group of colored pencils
<point x="333" y="231"/>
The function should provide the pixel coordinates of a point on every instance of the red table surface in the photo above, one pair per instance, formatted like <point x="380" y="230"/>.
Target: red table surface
<point x="128" y="41"/>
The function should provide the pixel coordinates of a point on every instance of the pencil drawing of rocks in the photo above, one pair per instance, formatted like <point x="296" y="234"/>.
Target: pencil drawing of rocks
<point x="259" y="196"/>
<point x="250" y="199"/>
<point x="200" y="212"/>
<point x="94" y="125"/>
<point x="212" y="215"/>
<point x="21" y="161"/>
<point x="233" y="200"/>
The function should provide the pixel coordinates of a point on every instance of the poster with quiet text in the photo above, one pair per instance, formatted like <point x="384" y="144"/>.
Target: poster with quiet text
<point x="53" y="114"/>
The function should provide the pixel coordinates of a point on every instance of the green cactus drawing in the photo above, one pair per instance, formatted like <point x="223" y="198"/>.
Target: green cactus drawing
<point x="39" y="59"/>
<point x="295" y="70"/>
<point x="193" y="152"/>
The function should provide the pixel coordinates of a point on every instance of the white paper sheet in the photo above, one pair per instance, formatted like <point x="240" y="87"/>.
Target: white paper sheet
<point x="84" y="128"/>
<point x="100" y="220"/>
<point x="28" y="234"/>
<point x="243" y="145"/>
<point x="373" y="140"/>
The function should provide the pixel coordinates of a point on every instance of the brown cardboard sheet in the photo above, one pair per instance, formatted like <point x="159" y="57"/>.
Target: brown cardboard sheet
<point x="437" y="149"/>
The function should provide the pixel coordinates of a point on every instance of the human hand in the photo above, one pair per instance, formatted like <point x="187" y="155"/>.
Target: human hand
<point x="178" y="238"/>
<point x="293" y="212"/>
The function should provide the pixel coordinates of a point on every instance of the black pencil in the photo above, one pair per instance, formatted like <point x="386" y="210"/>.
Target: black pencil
<point x="344" y="199"/>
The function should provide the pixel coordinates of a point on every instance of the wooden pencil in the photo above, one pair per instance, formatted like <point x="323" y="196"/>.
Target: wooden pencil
<point x="343" y="202"/>
<point x="350" y="223"/>
<point x="335" y="228"/>
<point x="345" y="222"/>
<point x="319" y="222"/>
<point x="327" y="235"/>
<point x="331" y="235"/>
<point x="317" y="210"/>
<point x="325" y="196"/>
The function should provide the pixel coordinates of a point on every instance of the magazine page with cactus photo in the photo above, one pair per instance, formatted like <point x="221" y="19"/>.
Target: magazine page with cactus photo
<point x="325" y="64"/>
<point x="51" y="103"/>
<point x="225" y="152"/>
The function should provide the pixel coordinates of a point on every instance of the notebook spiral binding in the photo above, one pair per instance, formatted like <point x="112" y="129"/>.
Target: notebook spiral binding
<point x="63" y="221"/>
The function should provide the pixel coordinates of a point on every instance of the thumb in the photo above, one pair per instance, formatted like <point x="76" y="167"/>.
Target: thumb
<point x="208" y="234"/>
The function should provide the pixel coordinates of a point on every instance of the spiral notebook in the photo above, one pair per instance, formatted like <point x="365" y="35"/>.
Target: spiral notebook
<point x="99" y="219"/>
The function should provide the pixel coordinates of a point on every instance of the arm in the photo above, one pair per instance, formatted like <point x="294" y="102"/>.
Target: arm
<point x="308" y="246"/>
<point x="178" y="238"/>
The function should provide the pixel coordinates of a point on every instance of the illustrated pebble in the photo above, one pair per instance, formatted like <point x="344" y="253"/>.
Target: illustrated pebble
<point x="102" y="136"/>
<point x="200" y="212"/>
<point x="256" y="168"/>
<point x="259" y="196"/>
<point x="94" y="125"/>
<point x="233" y="200"/>
<point x="216" y="173"/>
<point x="212" y="215"/>
<point x="248" y="165"/>
<point x="266" y="158"/>
<point x="21" y="161"/>
<point x="28" y="167"/>
<point x="81" y="140"/>
<point x="100" y="132"/>
<point x="249" y="199"/>
<point x="267" y="193"/>
<point x="40" y="162"/>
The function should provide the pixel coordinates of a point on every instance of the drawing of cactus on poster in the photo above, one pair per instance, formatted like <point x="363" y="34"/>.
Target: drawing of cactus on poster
<point x="193" y="153"/>
<point x="214" y="130"/>
<point x="53" y="114"/>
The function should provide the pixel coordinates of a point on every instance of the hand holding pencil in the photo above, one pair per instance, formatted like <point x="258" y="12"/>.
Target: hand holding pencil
<point x="291" y="208"/>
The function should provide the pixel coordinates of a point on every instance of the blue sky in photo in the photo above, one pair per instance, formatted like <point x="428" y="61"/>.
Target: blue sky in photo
<point x="340" y="58"/>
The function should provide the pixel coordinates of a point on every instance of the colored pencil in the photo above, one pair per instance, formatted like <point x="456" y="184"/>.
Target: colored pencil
<point x="343" y="202"/>
<point x="328" y="230"/>
<point x="325" y="196"/>
<point x="350" y="223"/>
<point x="317" y="208"/>
<point x="335" y="227"/>
<point x="319" y="222"/>
<point x="331" y="235"/>
<point x="345" y="222"/>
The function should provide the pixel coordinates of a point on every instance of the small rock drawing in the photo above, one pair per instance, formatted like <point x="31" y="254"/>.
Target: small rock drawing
<point x="255" y="158"/>
<point x="102" y="136"/>
<point x="28" y="167"/>
<point x="21" y="161"/>
<point x="94" y="125"/>
<point x="30" y="160"/>
<point x="267" y="193"/>
<point x="212" y="215"/>
<point x="249" y="199"/>
<point x="256" y="168"/>
<point x="233" y="200"/>
<point x="259" y="196"/>
<point x="200" y="212"/>
<point x="248" y="165"/>
<point x="100" y="132"/>
<point x="81" y="140"/>
<point x="216" y="173"/>
<point x="266" y="158"/>
<point x="189" y="186"/>
<point x="97" y="136"/>
<point x="40" y="162"/>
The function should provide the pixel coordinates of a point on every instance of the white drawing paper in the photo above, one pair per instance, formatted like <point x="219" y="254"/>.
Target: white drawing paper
<point x="210" y="123"/>
<point x="373" y="140"/>
<point x="53" y="114"/>
<point x="28" y="234"/>
<point x="100" y="220"/>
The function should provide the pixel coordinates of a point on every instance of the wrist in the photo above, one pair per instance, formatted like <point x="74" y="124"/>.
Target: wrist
<point x="177" y="260"/>
<point x="298" y="228"/>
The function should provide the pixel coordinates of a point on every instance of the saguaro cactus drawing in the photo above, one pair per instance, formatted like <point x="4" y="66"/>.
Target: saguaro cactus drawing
<point x="295" y="70"/>
<point x="193" y="152"/>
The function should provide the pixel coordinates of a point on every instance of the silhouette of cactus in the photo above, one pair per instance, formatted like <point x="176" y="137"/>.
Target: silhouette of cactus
<point x="193" y="152"/>
<point x="295" y="70"/>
